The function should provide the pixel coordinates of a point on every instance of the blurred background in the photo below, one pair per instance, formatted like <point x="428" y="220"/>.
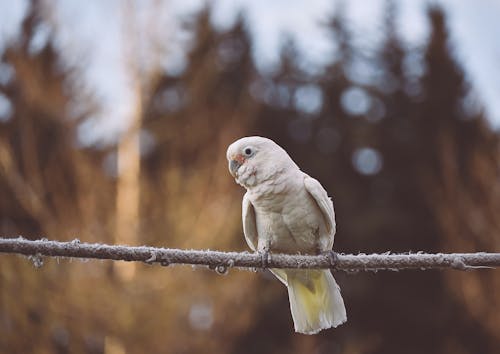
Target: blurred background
<point x="114" y="121"/>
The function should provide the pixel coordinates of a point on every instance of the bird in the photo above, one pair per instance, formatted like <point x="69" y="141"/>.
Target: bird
<point x="284" y="210"/>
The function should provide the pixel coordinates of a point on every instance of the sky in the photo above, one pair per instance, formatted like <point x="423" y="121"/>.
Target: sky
<point x="92" y="34"/>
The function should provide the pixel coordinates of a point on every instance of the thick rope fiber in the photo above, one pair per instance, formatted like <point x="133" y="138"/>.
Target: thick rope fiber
<point x="221" y="261"/>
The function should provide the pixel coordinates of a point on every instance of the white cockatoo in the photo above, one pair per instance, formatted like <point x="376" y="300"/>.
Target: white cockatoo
<point x="286" y="211"/>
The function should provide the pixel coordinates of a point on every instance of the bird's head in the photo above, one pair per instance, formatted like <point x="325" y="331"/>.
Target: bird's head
<point x="255" y="159"/>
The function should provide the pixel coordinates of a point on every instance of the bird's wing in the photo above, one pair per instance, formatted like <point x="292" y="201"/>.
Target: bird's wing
<point x="325" y="204"/>
<point x="251" y="235"/>
<point x="249" y="223"/>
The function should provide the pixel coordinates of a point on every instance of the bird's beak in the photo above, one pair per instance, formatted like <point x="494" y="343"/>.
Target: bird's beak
<point x="233" y="167"/>
<point x="234" y="163"/>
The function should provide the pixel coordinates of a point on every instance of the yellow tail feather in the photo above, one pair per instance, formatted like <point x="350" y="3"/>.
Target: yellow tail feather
<point x="315" y="299"/>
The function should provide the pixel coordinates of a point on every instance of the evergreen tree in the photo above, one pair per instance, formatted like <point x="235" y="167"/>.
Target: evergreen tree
<point x="49" y="188"/>
<point x="462" y="185"/>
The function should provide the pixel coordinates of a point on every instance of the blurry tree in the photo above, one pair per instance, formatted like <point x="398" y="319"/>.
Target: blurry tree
<point x="48" y="186"/>
<point x="462" y="187"/>
<point x="38" y="151"/>
<point x="142" y="32"/>
<point x="189" y="121"/>
<point x="185" y="191"/>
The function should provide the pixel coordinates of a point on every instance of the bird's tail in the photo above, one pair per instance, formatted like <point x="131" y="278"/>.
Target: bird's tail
<point x="315" y="299"/>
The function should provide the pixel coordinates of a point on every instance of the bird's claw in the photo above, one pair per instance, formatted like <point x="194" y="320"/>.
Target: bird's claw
<point x="265" y="257"/>
<point x="334" y="258"/>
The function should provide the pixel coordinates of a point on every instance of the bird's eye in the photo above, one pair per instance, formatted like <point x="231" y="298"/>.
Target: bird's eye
<point x="248" y="151"/>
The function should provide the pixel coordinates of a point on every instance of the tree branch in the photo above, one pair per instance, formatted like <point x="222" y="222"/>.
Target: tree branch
<point x="221" y="261"/>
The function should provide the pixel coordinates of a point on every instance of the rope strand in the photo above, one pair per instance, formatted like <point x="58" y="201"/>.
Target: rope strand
<point x="224" y="260"/>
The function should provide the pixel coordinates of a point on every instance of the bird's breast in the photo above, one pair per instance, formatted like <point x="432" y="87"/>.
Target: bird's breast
<point x="288" y="223"/>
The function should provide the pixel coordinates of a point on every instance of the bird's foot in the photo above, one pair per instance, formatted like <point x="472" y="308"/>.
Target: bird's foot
<point x="265" y="257"/>
<point x="334" y="258"/>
